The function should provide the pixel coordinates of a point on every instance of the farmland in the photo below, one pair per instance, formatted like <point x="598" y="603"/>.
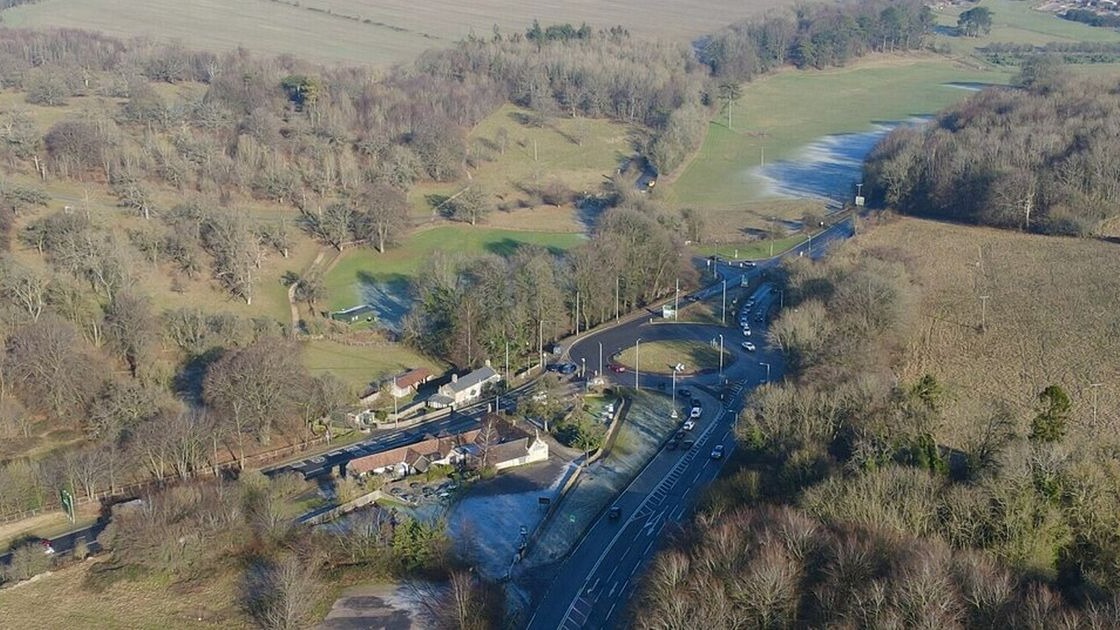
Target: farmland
<point x="364" y="31"/>
<point x="1051" y="317"/>
<point x="780" y="114"/>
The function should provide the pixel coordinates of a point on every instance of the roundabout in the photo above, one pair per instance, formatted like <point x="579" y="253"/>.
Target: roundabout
<point x="661" y="356"/>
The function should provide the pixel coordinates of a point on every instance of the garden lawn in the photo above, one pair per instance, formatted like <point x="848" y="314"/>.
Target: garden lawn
<point x="358" y="366"/>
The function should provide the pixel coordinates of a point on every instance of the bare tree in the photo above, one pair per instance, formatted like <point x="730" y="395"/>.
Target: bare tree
<point x="386" y="215"/>
<point x="282" y="594"/>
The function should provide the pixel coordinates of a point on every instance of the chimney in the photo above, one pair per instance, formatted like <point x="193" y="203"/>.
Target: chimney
<point x="454" y="378"/>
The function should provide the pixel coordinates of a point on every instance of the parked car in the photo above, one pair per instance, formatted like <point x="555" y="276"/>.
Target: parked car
<point x="748" y="346"/>
<point x="685" y="392"/>
<point x="552" y="367"/>
<point x="618" y="369"/>
<point x="747" y="331"/>
<point x="695" y="413"/>
<point x="614" y="513"/>
<point x="689" y="425"/>
<point x="679" y="435"/>
<point x="568" y="368"/>
<point x="717" y="452"/>
<point x="687" y="444"/>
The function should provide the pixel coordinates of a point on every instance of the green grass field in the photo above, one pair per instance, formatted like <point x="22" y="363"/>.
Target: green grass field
<point x="780" y="114"/>
<point x="579" y="152"/>
<point x="403" y="262"/>
<point x="659" y="357"/>
<point x="1019" y="22"/>
<point x="357" y="366"/>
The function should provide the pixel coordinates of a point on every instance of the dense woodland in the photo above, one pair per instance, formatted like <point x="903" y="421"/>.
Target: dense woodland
<point x="817" y="36"/>
<point x="1040" y="158"/>
<point x="856" y="502"/>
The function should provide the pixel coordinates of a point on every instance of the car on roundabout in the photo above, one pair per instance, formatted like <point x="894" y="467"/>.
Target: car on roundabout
<point x="748" y="346"/>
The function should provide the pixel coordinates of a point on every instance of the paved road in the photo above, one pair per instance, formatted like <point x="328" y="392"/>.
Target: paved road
<point x="594" y="585"/>
<point x="322" y="465"/>
<point x="459" y="421"/>
<point x="65" y="543"/>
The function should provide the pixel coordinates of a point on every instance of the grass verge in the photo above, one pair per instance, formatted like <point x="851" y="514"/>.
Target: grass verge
<point x="659" y="357"/>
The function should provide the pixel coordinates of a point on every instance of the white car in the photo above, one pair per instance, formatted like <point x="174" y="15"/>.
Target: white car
<point x="688" y="425"/>
<point x="695" y="413"/>
<point x="746" y="331"/>
<point x="748" y="346"/>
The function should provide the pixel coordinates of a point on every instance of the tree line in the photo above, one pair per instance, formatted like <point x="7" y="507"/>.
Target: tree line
<point x="1004" y="53"/>
<point x="1039" y="158"/>
<point x="1019" y="507"/>
<point x="816" y="36"/>
<point x="469" y="310"/>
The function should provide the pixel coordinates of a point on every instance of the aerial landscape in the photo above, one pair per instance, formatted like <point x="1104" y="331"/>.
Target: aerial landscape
<point x="346" y="314"/>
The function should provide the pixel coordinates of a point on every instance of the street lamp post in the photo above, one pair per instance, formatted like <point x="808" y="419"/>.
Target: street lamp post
<point x="767" y="370"/>
<point x="723" y="312"/>
<point x="637" y="341"/>
<point x="677" y="299"/>
<point x="540" y="340"/>
<point x="673" y="413"/>
<point x="600" y="357"/>
<point x="586" y="382"/>
<point x="721" y="356"/>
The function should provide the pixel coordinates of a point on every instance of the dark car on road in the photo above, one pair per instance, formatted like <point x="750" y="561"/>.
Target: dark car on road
<point x="687" y="444"/>
<point x="684" y="392"/>
<point x="567" y="368"/>
<point x="614" y="513"/>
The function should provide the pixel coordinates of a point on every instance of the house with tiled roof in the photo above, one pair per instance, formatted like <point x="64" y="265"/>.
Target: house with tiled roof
<point x="414" y="458"/>
<point x="462" y="391"/>
<point x="405" y="384"/>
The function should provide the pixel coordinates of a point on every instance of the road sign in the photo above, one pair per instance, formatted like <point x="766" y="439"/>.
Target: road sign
<point x="67" y="501"/>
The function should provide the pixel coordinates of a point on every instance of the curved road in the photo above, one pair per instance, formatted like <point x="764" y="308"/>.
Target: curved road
<point x="593" y="585"/>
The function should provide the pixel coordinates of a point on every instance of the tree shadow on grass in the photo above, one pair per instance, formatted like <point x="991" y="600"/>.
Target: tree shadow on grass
<point x="389" y="294"/>
<point x="507" y="246"/>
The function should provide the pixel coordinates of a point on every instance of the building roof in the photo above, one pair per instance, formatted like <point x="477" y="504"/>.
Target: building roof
<point x="431" y="448"/>
<point x="507" y="451"/>
<point x="412" y="378"/>
<point x="481" y="375"/>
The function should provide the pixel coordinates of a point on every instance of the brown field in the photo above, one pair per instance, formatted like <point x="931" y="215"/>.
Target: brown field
<point x="368" y="31"/>
<point x="62" y="600"/>
<point x="1052" y="315"/>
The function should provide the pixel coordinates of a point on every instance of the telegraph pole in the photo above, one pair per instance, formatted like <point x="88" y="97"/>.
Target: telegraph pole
<point x="984" y="313"/>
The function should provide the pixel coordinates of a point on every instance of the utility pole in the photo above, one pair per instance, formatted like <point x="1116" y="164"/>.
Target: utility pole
<point x="637" y="341"/>
<point x="540" y="341"/>
<point x="677" y="299"/>
<point x="721" y="357"/>
<point x="673" y="411"/>
<point x="577" y="312"/>
<point x="616" y="294"/>
<point x="507" y="360"/>
<point x="723" y="312"/>
<point x="396" y="412"/>
<point x="984" y="313"/>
